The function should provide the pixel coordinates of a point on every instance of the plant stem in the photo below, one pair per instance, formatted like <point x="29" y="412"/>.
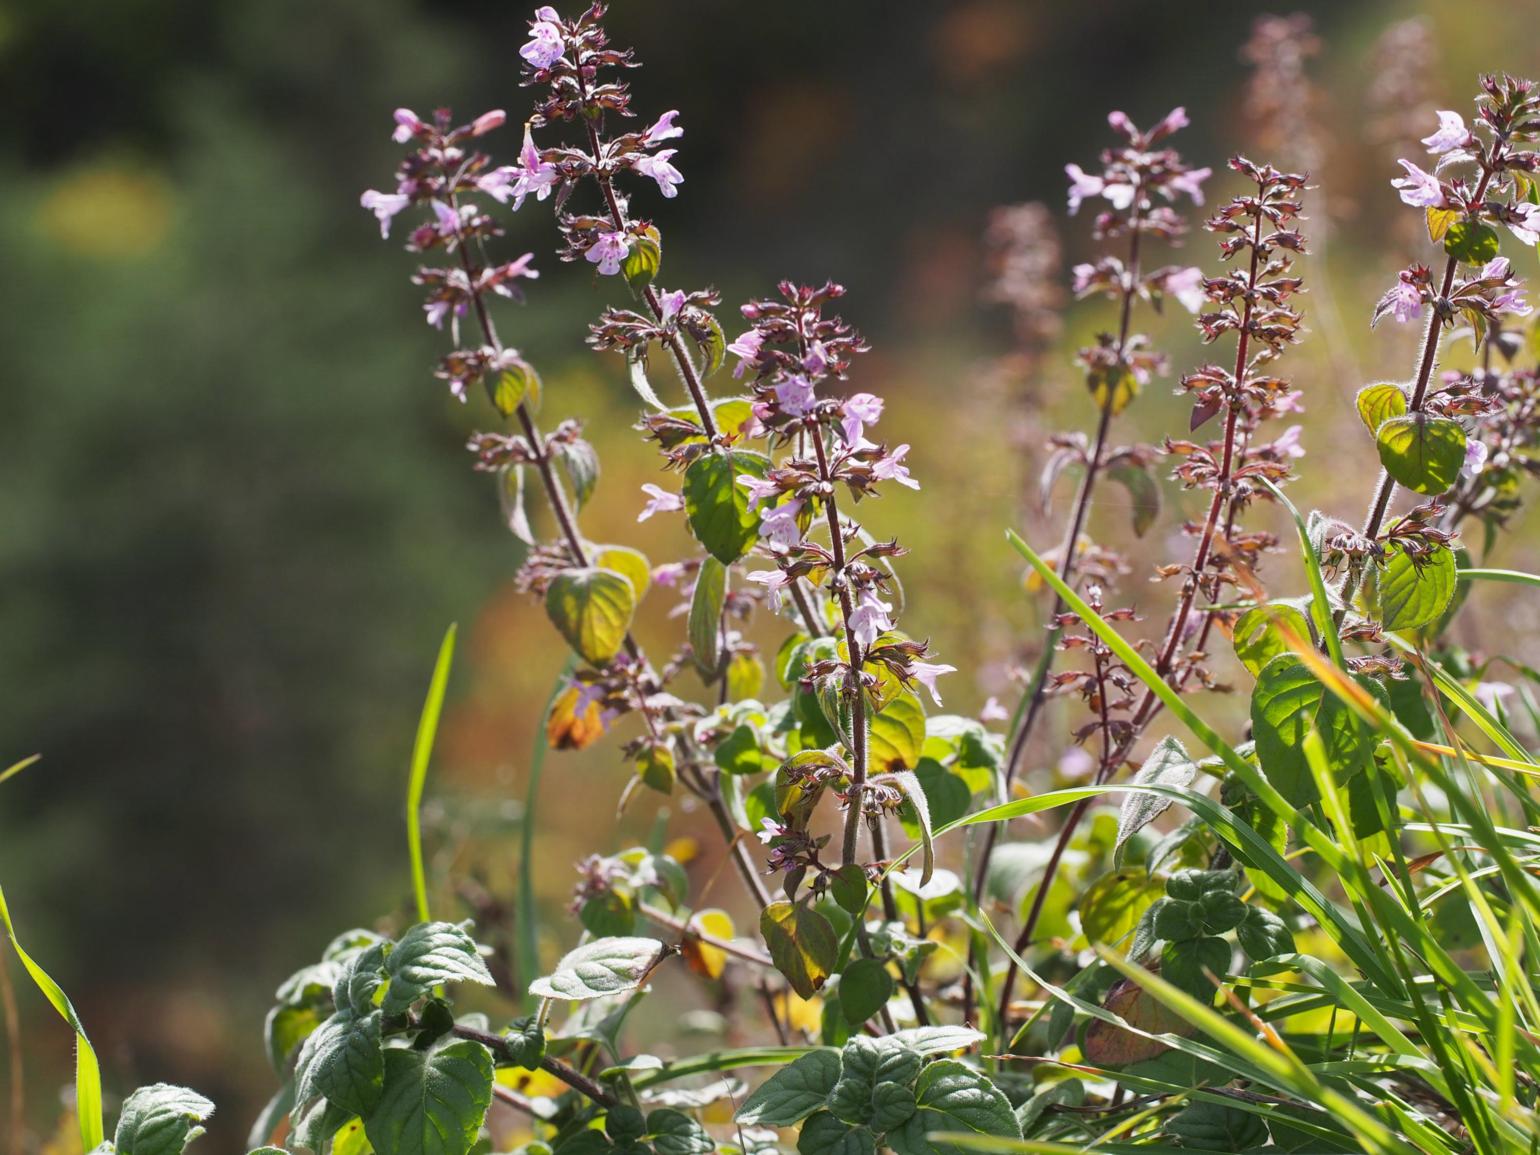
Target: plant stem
<point x="1149" y="705"/>
<point x="566" y="1073"/>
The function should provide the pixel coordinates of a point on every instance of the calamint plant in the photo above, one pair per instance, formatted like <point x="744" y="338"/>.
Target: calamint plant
<point x="1290" y="900"/>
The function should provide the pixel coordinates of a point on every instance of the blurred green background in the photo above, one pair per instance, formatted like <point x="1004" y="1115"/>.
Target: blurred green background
<point x="238" y="515"/>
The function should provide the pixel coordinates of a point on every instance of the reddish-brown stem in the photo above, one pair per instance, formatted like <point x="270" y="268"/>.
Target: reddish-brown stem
<point x="1149" y="704"/>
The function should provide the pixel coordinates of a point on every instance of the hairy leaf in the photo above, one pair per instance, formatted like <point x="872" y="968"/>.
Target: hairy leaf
<point x="160" y="1120"/>
<point x="433" y="1103"/>
<point x="802" y="945"/>
<point x="1169" y="764"/>
<point x="792" y="1093"/>
<point x="605" y="967"/>
<point x="1423" y="453"/>
<point x="718" y="507"/>
<point x="1407" y="593"/>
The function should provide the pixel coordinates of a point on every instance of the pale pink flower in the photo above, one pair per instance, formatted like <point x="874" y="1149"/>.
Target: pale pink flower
<point x="1186" y="285"/>
<point x="1451" y="134"/>
<point x="857" y="412"/>
<point x="663" y="128"/>
<point x="758" y="488"/>
<point x="816" y="360"/>
<point x="926" y="674"/>
<point x="992" y="711"/>
<point x="672" y="303"/>
<point x="535" y="175"/>
<point x="1082" y="273"/>
<point x="407" y="125"/>
<point x="660" y="501"/>
<point x="1418" y="189"/>
<point x="795" y="396"/>
<point x="544" y="47"/>
<point x="771" y="579"/>
<point x="488" y="121"/>
<point x="1081" y="185"/>
<point x="779" y="527"/>
<point x="657" y="167"/>
<point x="746" y="349"/>
<point x="608" y="250"/>
<point x="870" y="618"/>
<point x="1076" y="763"/>
<point x="1190" y="182"/>
<point x="1120" y="124"/>
<point x="384" y="206"/>
<point x="891" y="468"/>
<point x="1475" y="455"/>
<point x="1288" y="444"/>
<point x="1527" y="227"/>
<point x="668" y="574"/>
<point x="1174" y="120"/>
<point x="1406" y="302"/>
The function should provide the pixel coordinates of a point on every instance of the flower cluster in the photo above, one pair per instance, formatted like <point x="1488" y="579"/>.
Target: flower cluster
<point x="445" y="176"/>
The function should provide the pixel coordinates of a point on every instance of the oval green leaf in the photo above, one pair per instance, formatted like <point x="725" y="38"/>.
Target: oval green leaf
<point x="592" y="608"/>
<point x="1421" y="452"/>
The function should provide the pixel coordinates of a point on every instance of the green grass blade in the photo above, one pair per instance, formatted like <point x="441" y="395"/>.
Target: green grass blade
<point x="422" y="751"/>
<point x="1499" y="575"/>
<point x="88" y="1072"/>
<point x="17" y="768"/>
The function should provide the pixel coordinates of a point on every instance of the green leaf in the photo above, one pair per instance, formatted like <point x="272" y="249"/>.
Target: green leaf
<point x="935" y="1040"/>
<point x="802" y="945"/>
<point x="525" y="1042"/>
<point x="1471" y="242"/>
<point x="517" y="384"/>
<point x="823" y="1134"/>
<point x="675" y="1133"/>
<point x="160" y="1120"/>
<point x="1143" y="493"/>
<point x="343" y="1062"/>
<point x="745" y="676"/>
<point x="1377" y="404"/>
<point x="429" y="954"/>
<point x="1260" y="633"/>
<point x="1115" y="903"/>
<point x="88" y="1071"/>
<point x="792" y="1093"/>
<point x="718" y="507"/>
<point x="422" y="751"/>
<point x="433" y="1103"/>
<point x="636" y="361"/>
<point x="1423" y="453"/>
<point x="739" y="753"/>
<point x="644" y="259"/>
<point x="952" y="1096"/>
<point x="850" y="889"/>
<point x="1212" y="1127"/>
<point x="1262" y="934"/>
<point x="1407" y="593"/>
<point x="1288" y="703"/>
<point x="895" y="737"/>
<point x="629" y="563"/>
<point x="605" y="967"/>
<point x="875" y="1082"/>
<point x="581" y="461"/>
<point x="1185" y="965"/>
<point x="1112" y="387"/>
<point x="656" y="768"/>
<point x="1169" y="764"/>
<point x="705" y="630"/>
<point x="592" y="609"/>
<point x="285" y="1029"/>
<point x="865" y="988"/>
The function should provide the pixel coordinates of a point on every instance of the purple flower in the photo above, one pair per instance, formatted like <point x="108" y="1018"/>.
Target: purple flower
<point x="1475" y="455"/>
<point x="1405" y="302"/>
<point x="672" y="303"/>
<point x="889" y="468"/>
<point x="870" y="618"/>
<point x="758" y="488"/>
<point x="660" y="501"/>
<point x="407" y="125"/>
<point x="795" y="396"/>
<point x="1076" y="763"/>
<point x="1497" y="269"/>
<point x="544" y="47"/>
<point x="769" y="828"/>
<point x="779" y="527"/>
<point x="658" y="168"/>
<point x="384" y="206"/>
<point x="535" y="175"/>
<point x="1288" y="445"/>
<point x="1083" y="273"/>
<point x="1451" y="134"/>
<point x="1081" y="185"/>
<point x="608" y="250"/>
<point x="1419" y="189"/>
<point x="1512" y="302"/>
<point x="448" y="219"/>
<point x="668" y="574"/>
<point x="926" y="674"/>
<point x="816" y="361"/>
<point x="858" y="411"/>
<point x="1289" y="402"/>
<point x="488" y="121"/>
<point x="771" y="579"/>
<point x="501" y="184"/>
<point x="992" y="711"/>
<point x="1118" y="194"/>
<point x="1174" y="120"/>
<point x="1186" y="285"/>
<point x="1120" y="124"/>
<point x="437" y="310"/>
<point x="664" y="128"/>
<point x="1527" y="227"/>
<point x="1189" y="182"/>
<point x="746" y="349"/>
